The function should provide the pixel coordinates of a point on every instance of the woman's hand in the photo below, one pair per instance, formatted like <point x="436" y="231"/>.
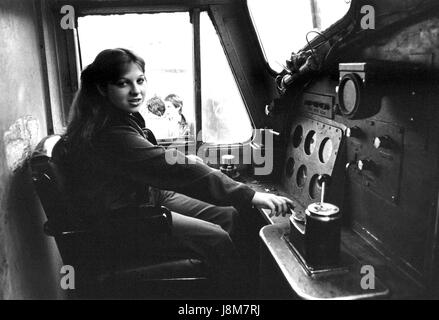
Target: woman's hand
<point x="277" y="204"/>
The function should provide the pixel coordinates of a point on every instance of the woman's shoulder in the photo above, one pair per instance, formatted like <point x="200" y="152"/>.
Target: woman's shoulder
<point x="122" y="134"/>
<point x="125" y="124"/>
<point x="60" y="150"/>
<point x="118" y="134"/>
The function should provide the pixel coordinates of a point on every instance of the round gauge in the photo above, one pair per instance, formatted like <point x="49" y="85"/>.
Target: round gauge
<point x="325" y="150"/>
<point x="349" y="95"/>
<point x="310" y="142"/>
<point x="315" y="189"/>
<point x="301" y="176"/>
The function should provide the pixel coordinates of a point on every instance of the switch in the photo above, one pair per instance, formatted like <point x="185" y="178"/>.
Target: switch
<point x="382" y="142"/>
<point x="366" y="165"/>
<point x="354" y="132"/>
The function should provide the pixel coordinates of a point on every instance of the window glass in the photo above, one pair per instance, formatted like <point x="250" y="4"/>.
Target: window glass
<point x="164" y="40"/>
<point x="282" y="25"/>
<point x="330" y="12"/>
<point x="224" y="116"/>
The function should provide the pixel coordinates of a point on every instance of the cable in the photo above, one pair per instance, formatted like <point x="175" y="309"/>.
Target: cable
<point x="336" y="43"/>
<point x="318" y="32"/>
<point x="309" y="44"/>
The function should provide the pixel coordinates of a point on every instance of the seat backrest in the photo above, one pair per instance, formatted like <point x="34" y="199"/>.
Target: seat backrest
<point x="50" y="185"/>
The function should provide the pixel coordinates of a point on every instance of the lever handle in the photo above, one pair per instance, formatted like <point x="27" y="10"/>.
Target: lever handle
<point x="324" y="180"/>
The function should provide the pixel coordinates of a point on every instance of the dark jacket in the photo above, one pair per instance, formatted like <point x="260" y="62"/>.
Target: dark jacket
<point x="125" y="161"/>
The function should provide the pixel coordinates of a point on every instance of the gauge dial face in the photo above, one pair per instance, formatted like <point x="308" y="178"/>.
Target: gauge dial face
<point x="325" y="150"/>
<point x="315" y="189"/>
<point x="349" y="95"/>
<point x="310" y="142"/>
<point x="302" y="174"/>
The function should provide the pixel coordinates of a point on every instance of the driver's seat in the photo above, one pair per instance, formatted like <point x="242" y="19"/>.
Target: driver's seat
<point x="110" y="258"/>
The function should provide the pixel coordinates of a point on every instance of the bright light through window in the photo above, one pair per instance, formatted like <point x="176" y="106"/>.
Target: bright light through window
<point x="224" y="117"/>
<point x="282" y="25"/>
<point x="164" y="40"/>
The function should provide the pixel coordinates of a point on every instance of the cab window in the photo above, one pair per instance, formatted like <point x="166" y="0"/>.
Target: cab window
<point x="224" y="116"/>
<point x="168" y="57"/>
<point x="165" y="41"/>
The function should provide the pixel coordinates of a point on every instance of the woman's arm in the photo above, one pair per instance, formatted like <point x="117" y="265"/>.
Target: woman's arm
<point x="170" y="169"/>
<point x="128" y="151"/>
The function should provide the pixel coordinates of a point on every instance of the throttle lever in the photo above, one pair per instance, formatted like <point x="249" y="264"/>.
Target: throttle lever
<point x="324" y="180"/>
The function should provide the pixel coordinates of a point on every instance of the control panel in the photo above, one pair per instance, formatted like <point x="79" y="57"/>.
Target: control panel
<point x="312" y="150"/>
<point x="374" y="151"/>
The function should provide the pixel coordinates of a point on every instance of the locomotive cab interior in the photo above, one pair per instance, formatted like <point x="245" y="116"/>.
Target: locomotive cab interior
<point x="332" y="107"/>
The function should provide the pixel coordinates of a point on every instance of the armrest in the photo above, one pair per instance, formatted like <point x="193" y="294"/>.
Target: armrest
<point x="130" y="220"/>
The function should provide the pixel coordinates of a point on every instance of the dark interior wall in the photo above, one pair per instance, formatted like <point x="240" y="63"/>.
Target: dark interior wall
<point x="28" y="259"/>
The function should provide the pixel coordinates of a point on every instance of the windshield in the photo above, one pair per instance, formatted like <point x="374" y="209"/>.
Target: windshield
<point x="282" y="25"/>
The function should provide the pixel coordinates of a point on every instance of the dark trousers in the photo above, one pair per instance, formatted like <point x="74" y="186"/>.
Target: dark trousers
<point x="207" y="230"/>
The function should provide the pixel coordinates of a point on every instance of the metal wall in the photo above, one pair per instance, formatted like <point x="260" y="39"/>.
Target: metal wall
<point x="28" y="259"/>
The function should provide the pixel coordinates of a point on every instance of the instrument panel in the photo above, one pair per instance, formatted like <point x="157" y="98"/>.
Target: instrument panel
<point x="376" y="142"/>
<point x="312" y="150"/>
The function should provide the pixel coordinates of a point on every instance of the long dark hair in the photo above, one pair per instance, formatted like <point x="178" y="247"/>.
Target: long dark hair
<point x="90" y="110"/>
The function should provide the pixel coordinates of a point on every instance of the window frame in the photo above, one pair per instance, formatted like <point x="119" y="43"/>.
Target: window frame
<point x="71" y="40"/>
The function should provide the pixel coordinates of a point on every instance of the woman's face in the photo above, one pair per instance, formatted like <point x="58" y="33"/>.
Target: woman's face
<point x="128" y="92"/>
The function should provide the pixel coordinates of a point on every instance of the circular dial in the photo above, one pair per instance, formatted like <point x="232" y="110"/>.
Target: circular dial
<point x="302" y="174"/>
<point x="310" y="142"/>
<point x="325" y="150"/>
<point x="349" y="95"/>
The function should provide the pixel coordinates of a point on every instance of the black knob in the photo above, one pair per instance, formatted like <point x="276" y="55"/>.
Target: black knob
<point x="366" y="165"/>
<point x="383" y="142"/>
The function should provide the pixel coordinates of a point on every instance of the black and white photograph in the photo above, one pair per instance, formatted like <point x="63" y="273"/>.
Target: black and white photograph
<point x="219" y="156"/>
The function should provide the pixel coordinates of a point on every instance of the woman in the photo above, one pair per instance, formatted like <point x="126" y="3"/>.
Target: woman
<point x="113" y="161"/>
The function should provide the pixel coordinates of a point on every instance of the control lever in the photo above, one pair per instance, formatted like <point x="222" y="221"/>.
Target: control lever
<point x="324" y="180"/>
<point x="318" y="239"/>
